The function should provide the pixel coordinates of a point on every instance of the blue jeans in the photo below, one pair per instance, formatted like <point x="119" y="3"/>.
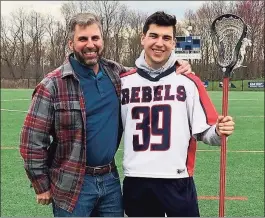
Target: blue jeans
<point x="99" y="196"/>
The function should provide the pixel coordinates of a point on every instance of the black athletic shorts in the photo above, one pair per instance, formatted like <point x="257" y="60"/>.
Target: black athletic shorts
<point x="154" y="197"/>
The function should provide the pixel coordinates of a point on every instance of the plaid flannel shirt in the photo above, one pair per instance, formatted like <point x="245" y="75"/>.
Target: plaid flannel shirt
<point x="53" y="137"/>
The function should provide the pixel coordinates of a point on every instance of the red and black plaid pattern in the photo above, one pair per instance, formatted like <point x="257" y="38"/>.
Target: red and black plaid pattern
<point x="55" y="127"/>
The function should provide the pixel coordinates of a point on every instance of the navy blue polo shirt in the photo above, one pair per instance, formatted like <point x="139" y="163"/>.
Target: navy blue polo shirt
<point x="102" y="114"/>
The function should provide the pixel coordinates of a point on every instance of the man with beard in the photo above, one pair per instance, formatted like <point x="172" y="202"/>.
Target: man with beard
<point x="72" y="130"/>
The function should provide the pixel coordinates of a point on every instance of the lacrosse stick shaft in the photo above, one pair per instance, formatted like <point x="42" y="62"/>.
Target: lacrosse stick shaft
<point x="223" y="151"/>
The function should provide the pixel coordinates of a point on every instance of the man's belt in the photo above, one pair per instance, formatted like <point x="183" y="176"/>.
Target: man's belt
<point x="101" y="170"/>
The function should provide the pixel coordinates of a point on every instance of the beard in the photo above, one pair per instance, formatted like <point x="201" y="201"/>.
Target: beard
<point x="89" y="62"/>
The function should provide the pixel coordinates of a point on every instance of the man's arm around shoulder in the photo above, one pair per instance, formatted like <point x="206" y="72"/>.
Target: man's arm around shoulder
<point x="117" y="66"/>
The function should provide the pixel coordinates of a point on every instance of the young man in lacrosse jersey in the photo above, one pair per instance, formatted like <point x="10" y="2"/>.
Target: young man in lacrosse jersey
<point x="163" y="115"/>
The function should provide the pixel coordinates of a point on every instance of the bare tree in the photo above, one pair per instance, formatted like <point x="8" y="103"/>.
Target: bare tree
<point x="117" y="41"/>
<point x="253" y="14"/>
<point x="18" y="44"/>
<point x="68" y="9"/>
<point x="134" y="30"/>
<point x="8" y="49"/>
<point x="36" y="23"/>
<point x="57" y="43"/>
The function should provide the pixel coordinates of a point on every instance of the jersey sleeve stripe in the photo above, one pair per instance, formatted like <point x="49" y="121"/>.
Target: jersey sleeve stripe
<point x="132" y="71"/>
<point x="190" y="163"/>
<point x="206" y="103"/>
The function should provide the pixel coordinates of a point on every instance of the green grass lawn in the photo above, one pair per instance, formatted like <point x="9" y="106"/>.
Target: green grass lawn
<point x="245" y="170"/>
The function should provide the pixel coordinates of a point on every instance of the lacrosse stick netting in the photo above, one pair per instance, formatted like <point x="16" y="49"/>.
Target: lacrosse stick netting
<point x="229" y="32"/>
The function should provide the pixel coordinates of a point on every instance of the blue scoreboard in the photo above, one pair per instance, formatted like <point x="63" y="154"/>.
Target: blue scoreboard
<point x="188" y="47"/>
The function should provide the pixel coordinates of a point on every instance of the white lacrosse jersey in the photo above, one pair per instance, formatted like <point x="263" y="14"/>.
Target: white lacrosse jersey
<point x="161" y="118"/>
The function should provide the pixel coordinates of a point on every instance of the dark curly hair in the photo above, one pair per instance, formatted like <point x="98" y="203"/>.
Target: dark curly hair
<point x="160" y="18"/>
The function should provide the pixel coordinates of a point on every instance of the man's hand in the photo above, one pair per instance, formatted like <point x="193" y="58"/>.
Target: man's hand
<point x="184" y="67"/>
<point x="44" y="198"/>
<point x="225" y="125"/>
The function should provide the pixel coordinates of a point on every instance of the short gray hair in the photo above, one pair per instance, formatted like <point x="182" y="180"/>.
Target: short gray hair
<point x="83" y="19"/>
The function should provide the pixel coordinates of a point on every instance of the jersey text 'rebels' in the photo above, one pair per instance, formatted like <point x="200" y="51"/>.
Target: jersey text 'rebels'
<point x="148" y="94"/>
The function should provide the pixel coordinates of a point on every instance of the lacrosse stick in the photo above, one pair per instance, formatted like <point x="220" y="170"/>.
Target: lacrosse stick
<point x="229" y="33"/>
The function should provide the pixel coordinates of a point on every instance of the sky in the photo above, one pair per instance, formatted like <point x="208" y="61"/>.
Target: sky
<point x="177" y="8"/>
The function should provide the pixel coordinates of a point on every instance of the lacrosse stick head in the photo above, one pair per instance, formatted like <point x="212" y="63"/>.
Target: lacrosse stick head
<point x="229" y="33"/>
